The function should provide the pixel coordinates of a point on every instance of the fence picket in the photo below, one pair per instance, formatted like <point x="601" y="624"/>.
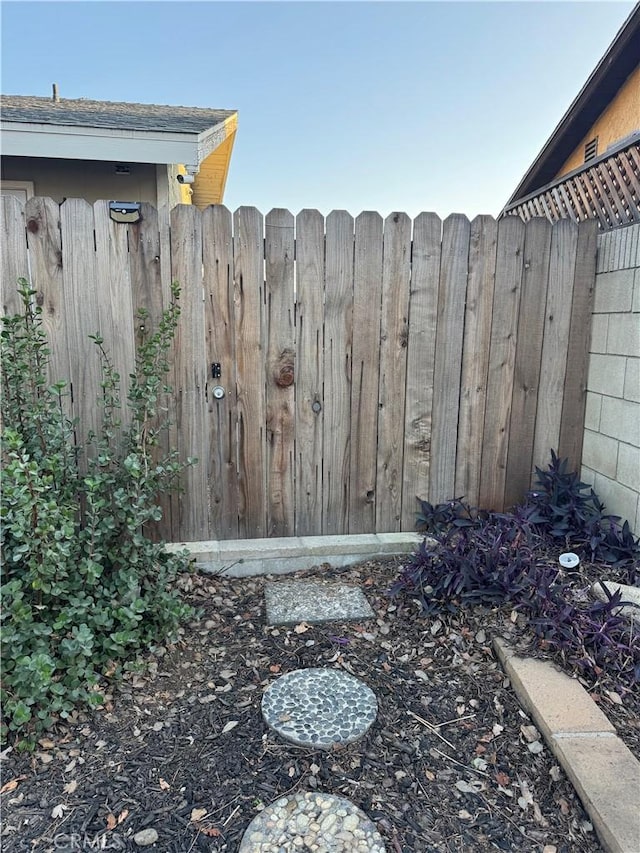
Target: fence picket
<point x="553" y="366"/>
<point x="15" y="260"/>
<point x="80" y="286"/>
<point x="280" y="400"/>
<point x="309" y="396"/>
<point x="217" y="259"/>
<point x="421" y="348"/>
<point x="579" y="336"/>
<point x="248" y="276"/>
<point x="502" y="356"/>
<point x="475" y="357"/>
<point x="45" y="257"/>
<point x="394" y="334"/>
<point x="456" y="232"/>
<point x="338" y="310"/>
<point x="365" y="361"/>
<point x="191" y="371"/>
<point x="526" y="381"/>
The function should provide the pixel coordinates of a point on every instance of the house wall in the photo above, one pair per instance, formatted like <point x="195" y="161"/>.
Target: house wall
<point x="611" y="449"/>
<point x="208" y="187"/>
<point x="88" y="179"/>
<point x="621" y="118"/>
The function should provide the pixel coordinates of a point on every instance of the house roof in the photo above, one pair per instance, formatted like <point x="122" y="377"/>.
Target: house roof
<point x="619" y="61"/>
<point x="80" y="112"/>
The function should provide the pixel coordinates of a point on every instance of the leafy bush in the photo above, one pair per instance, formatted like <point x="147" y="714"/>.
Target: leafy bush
<point x="83" y="588"/>
<point x="497" y="559"/>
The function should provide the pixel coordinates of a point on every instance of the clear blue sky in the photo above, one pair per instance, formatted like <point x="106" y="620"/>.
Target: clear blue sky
<point x="355" y="105"/>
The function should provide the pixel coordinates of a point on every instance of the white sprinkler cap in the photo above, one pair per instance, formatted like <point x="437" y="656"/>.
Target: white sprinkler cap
<point x="569" y="560"/>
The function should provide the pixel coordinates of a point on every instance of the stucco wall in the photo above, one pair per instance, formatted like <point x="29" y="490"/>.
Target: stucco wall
<point x="611" y="452"/>
<point x="89" y="179"/>
<point x="621" y="118"/>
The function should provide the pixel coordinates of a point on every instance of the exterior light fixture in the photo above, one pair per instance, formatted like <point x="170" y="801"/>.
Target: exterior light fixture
<point x="125" y="211"/>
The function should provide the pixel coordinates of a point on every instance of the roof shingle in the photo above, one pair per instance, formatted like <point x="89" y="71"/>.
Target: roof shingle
<point x="82" y="112"/>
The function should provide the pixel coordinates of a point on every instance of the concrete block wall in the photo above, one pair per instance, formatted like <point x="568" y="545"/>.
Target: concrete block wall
<point x="611" y="451"/>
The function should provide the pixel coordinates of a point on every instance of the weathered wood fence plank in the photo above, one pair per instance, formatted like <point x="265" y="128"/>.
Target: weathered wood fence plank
<point x="217" y="259"/>
<point x="248" y="273"/>
<point x="310" y="257"/>
<point x="15" y="259"/>
<point x="394" y="336"/>
<point x="367" y="295"/>
<point x="280" y="401"/>
<point x="338" y="311"/>
<point x="421" y="349"/>
<point x="456" y="232"/>
<point x="502" y="356"/>
<point x="475" y="357"/>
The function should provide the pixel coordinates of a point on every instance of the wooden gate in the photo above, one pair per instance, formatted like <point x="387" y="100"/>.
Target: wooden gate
<point x="362" y="362"/>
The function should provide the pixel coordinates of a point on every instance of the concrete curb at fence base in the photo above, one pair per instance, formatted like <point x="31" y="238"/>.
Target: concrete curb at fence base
<point x="604" y="772"/>
<point x="246" y="557"/>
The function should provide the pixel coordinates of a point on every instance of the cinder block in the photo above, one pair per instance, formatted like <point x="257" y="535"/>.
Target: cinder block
<point x="618" y="499"/>
<point x="623" y="336"/>
<point x="261" y="549"/>
<point x="592" y="411"/>
<point x="628" y="472"/>
<point x="606" y="777"/>
<point x="599" y="329"/>
<point x="587" y="475"/>
<point x="636" y="528"/>
<point x="324" y="546"/>
<point x="600" y="452"/>
<point x="636" y="292"/>
<point x="606" y="374"/>
<point x="614" y="292"/>
<point x="632" y="380"/>
<point x="621" y="419"/>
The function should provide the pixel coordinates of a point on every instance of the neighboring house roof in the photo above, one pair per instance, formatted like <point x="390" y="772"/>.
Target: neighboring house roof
<point x="80" y="112"/>
<point x="82" y="129"/>
<point x="619" y="61"/>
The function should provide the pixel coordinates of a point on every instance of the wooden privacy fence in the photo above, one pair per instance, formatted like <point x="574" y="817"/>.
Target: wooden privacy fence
<point x="364" y="362"/>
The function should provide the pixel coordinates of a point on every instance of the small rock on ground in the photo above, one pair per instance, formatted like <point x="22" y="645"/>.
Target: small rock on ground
<point x="146" y="837"/>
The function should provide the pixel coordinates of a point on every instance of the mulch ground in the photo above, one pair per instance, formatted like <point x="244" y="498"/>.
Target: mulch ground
<point x="451" y="764"/>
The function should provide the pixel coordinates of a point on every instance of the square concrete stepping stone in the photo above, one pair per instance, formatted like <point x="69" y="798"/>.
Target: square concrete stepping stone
<point x="293" y="601"/>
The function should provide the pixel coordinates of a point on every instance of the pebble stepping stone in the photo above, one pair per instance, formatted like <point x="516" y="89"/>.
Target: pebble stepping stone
<point x="290" y="602"/>
<point x="309" y="822"/>
<point x="319" y="707"/>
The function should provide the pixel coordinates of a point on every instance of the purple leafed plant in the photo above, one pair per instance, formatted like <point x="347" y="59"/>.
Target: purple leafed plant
<point x="495" y="559"/>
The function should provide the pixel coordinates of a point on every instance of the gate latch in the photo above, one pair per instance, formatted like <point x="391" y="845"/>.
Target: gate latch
<point x="216" y="370"/>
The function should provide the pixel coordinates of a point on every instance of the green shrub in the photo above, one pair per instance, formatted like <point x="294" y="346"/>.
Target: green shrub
<point x="83" y="589"/>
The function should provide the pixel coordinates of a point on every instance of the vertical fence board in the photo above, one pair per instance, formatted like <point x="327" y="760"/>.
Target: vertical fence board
<point x="577" y="360"/>
<point x="280" y="400"/>
<point x="309" y="393"/>
<point x="115" y="304"/>
<point x="15" y="262"/>
<point x="45" y="257"/>
<point x="555" y="342"/>
<point x="475" y="357"/>
<point x="365" y="361"/>
<point x="456" y="232"/>
<point x="191" y="371"/>
<point x="81" y="297"/>
<point x="394" y="334"/>
<point x="526" y="380"/>
<point x="147" y="255"/>
<point x="502" y="356"/>
<point x="338" y="312"/>
<point x="421" y="349"/>
<point x="248" y="274"/>
<point x="217" y="259"/>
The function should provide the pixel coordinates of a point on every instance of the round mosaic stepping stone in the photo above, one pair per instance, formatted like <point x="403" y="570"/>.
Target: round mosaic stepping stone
<point x="312" y="822"/>
<point x="319" y="707"/>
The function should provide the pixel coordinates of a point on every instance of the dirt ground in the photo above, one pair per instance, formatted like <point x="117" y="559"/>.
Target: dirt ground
<point x="451" y="764"/>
